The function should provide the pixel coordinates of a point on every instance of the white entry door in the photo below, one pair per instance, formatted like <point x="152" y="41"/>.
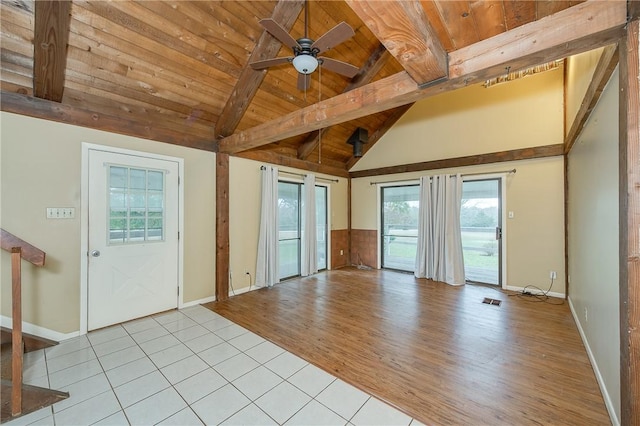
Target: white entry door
<point x="133" y="237"/>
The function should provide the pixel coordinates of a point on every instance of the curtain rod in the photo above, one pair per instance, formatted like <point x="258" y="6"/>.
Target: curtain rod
<point x="302" y="175"/>
<point x="463" y="175"/>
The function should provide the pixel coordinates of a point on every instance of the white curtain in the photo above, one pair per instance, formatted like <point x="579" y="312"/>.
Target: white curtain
<point x="267" y="263"/>
<point x="309" y="238"/>
<point x="439" y="255"/>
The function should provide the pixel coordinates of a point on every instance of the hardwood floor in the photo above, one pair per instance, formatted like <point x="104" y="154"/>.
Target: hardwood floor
<point x="432" y="350"/>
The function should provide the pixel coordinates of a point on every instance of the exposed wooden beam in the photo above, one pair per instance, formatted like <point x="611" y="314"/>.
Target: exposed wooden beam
<point x="283" y="160"/>
<point x="50" y="38"/>
<point x="471" y="160"/>
<point x="405" y="31"/>
<point x="376" y="61"/>
<point x="540" y="41"/>
<point x="605" y="67"/>
<point x="633" y="10"/>
<point x="222" y="227"/>
<point x="310" y="143"/>
<point x="368" y="71"/>
<point x="375" y="137"/>
<point x="593" y="24"/>
<point x="629" y="226"/>
<point x="381" y="95"/>
<point x="285" y="13"/>
<point x="48" y="110"/>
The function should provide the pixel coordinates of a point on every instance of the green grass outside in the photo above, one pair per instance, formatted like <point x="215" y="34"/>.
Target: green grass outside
<point x="403" y="247"/>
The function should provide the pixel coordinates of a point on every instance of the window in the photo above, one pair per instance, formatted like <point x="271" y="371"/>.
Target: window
<point x="136" y="205"/>
<point x="399" y="226"/>
<point x="290" y="227"/>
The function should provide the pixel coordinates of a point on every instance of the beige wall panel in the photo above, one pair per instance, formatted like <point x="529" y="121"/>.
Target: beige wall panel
<point x="593" y="241"/>
<point x="474" y="120"/>
<point x="579" y="72"/>
<point x="41" y="167"/>
<point x="244" y="220"/>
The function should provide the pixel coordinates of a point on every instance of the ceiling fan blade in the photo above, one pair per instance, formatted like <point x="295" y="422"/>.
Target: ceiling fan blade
<point x="278" y="32"/>
<point x="260" y="65"/>
<point x="340" y="67"/>
<point x="333" y="37"/>
<point x="304" y="81"/>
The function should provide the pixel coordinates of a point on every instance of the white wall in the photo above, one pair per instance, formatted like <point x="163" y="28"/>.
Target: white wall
<point x="593" y="242"/>
<point x="41" y="167"/>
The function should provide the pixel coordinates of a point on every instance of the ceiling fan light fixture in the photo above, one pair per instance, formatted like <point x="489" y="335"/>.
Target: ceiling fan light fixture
<point x="305" y="64"/>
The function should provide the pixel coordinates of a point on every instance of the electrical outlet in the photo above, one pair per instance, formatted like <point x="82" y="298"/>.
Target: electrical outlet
<point x="586" y="315"/>
<point x="553" y="275"/>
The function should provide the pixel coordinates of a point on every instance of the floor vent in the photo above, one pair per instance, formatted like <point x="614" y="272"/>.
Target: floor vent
<point x="490" y="301"/>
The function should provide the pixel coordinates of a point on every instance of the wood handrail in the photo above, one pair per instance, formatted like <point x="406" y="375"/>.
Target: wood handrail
<point x="30" y="253"/>
<point x="16" y="332"/>
<point x="19" y="249"/>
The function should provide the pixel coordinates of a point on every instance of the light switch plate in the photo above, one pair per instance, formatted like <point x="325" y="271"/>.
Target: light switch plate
<point x="61" y="212"/>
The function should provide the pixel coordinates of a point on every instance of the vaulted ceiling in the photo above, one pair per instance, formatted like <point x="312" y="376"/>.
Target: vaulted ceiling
<point x="178" y="71"/>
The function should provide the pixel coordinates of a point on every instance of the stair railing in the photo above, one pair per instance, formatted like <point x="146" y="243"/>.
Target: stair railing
<point x="19" y="250"/>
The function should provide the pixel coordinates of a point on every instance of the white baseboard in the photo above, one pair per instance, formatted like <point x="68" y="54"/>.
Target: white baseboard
<point x="39" y="331"/>
<point x="243" y="290"/>
<point x="605" y="394"/>
<point x="46" y="333"/>
<point x="198" y="302"/>
<point x="534" y="291"/>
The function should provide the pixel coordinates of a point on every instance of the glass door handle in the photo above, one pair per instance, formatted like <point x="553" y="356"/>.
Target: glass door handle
<point x="498" y="233"/>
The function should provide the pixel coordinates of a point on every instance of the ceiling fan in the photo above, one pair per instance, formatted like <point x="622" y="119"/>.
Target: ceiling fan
<point x="305" y="57"/>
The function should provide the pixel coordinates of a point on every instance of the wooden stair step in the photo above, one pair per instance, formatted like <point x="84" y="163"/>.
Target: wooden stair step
<point x="31" y="342"/>
<point x="33" y="398"/>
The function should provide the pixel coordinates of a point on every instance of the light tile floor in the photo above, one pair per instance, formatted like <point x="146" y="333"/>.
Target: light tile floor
<point x="192" y="367"/>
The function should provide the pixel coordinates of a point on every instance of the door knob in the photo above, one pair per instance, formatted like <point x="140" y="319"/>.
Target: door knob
<point x="95" y="253"/>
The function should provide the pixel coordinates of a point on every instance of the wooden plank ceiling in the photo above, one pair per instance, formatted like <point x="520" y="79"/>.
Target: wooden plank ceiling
<point x="178" y="71"/>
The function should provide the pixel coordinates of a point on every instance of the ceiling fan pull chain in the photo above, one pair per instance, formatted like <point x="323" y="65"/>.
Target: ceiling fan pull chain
<point x="319" y="130"/>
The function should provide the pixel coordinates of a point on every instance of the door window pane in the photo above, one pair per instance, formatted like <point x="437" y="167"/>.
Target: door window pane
<point x="400" y="226"/>
<point x="136" y="205"/>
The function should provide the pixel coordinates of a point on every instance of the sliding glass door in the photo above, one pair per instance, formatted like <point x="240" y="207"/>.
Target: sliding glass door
<point x="321" y="226"/>
<point x="289" y="229"/>
<point x="399" y="226"/>
<point x="291" y="226"/>
<point x="481" y="225"/>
